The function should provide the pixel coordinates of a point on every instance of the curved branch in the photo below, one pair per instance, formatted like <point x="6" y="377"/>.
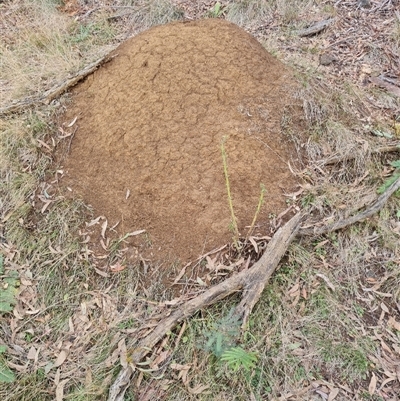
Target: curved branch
<point x="370" y="211"/>
<point x="252" y="280"/>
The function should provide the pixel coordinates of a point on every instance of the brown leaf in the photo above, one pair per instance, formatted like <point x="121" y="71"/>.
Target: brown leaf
<point x="60" y="390"/>
<point x="254" y="243"/>
<point x="94" y="221"/>
<point x="200" y="388"/>
<point x="372" y="385"/>
<point x="392" y="322"/>
<point x="294" y="290"/>
<point x="62" y="356"/>
<point x="123" y="353"/>
<point x="57" y="377"/>
<point x="323" y="395"/>
<point x="31" y="353"/>
<point x="103" y="229"/>
<point x="386" y="381"/>
<point x="117" y="267"/>
<point x="134" y="233"/>
<point x="26" y="282"/>
<point x="384" y="307"/>
<point x="160" y="359"/>
<point x="18" y="368"/>
<point x="181" y="273"/>
<point x="101" y="273"/>
<point x="333" y="394"/>
<point x="72" y="122"/>
<point x="327" y="281"/>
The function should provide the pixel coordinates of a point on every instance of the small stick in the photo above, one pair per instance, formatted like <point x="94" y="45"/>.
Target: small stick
<point x="56" y="90"/>
<point x="395" y="147"/>
<point x="370" y="211"/>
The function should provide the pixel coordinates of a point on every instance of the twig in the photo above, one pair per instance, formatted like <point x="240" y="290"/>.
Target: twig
<point x="252" y="281"/>
<point x="370" y="211"/>
<point x="56" y="90"/>
<point x="316" y="28"/>
<point x="382" y="149"/>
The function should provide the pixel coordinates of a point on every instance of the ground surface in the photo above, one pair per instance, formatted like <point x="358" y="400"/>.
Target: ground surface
<point x="147" y="148"/>
<point x="327" y="326"/>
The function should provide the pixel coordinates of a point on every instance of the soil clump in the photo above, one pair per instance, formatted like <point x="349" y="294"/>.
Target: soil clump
<point x="147" y="149"/>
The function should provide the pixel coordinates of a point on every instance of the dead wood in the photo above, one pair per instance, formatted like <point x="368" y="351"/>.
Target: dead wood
<point x="390" y="148"/>
<point x="56" y="90"/>
<point x="390" y="85"/>
<point x="316" y="28"/>
<point x="370" y="211"/>
<point x="251" y="282"/>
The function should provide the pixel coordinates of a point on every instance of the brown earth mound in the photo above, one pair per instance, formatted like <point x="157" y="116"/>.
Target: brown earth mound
<point x="147" y="152"/>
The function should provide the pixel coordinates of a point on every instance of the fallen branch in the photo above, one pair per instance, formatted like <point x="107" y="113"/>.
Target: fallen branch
<point x="56" y="90"/>
<point x="388" y="84"/>
<point x="370" y="211"/>
<point x="394" y="147"/>
<point x="252" y="281"/>
<point x="316" y="28"/>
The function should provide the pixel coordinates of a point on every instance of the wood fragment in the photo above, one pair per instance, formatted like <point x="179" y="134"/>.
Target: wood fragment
<point x="252" y="281"/>
<point x="56" y="90"/>
<point x="370" y="211"/>
<point x="382" y="82"/>
<point x="390" y="148"/>
<point x="316" y="28"/>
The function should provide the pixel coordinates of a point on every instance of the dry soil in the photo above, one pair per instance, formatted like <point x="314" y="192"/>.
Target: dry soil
<point x="147" y="150"/>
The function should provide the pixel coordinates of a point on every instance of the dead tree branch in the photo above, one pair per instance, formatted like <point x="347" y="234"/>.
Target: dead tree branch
<point x="370" y="211"/>
<point x="316" y="28"/>
<point x="394" y="147"/>
<point x="56" y="90"/>
<point x="251" y="282"/>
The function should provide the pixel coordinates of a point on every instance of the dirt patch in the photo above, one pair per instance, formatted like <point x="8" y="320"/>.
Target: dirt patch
<point x="147" y="151"/>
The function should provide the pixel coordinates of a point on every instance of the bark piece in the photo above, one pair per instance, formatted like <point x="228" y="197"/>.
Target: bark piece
<point x="316" y="28"/>
<point x="252" y="281"/>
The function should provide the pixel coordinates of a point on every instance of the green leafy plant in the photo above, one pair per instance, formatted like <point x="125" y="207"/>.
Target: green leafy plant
<point x="6" y="374"/>
<point x="222" y="335"/>
<point x="237" y="358"/>
<point x="216" y="11"/>
<point x="392" y="179"/>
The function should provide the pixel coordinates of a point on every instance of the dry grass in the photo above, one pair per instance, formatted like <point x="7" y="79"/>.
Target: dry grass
<point x="329" y="319"/>
<point x="36" y="50"/>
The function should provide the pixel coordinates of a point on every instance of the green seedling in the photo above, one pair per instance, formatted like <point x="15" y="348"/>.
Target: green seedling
<point x="233" y="226"/>
<point x="237" y="358"/>
<point x="216" y="11"/>
<point x="260" y="203"/>
<point x="6" y="375"/>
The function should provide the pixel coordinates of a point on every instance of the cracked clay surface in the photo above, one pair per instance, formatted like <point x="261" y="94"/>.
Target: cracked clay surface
<point x="150" y="125"/>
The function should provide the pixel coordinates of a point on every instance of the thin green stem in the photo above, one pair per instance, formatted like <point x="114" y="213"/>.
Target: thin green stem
<point x="228" y="190"/>
<point x="260" y="203"/>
